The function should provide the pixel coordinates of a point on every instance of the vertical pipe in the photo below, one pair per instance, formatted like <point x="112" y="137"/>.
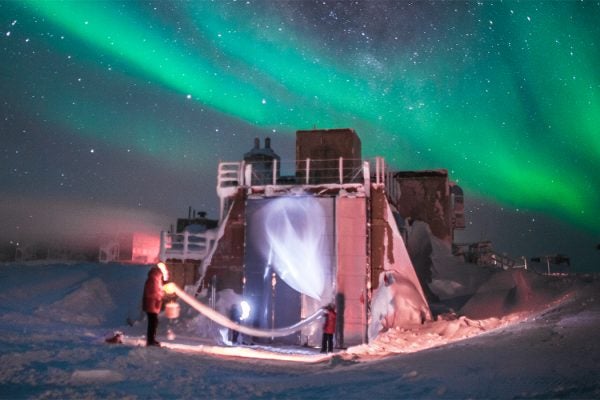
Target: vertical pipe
<point x="248" y="175"/>
<point x="341" y="170"/>
<point x="307" y="170"/>
<point x="213" y="295"/>
<point x="367" y="178"/>
<point x="185" y="244"/>
<point x="383" y="170"/>
<point x="275" y="171"/>
<point x="221" y="206"/>
<point x="213" y="291"/>
<point x="273" y="283"/>
<point x="240" y="176"/>
<point x="369" y="251"/>
<point x="161" y="254"/>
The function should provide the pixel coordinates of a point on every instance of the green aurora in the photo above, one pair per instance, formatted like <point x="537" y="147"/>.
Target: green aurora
<point x="506" y="96"/>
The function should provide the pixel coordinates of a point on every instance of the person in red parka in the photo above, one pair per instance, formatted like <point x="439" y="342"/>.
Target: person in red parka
<point x="152" y="303"/>
<point x="328" y="329"/>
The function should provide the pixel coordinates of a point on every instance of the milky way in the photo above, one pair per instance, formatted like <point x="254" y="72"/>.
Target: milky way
<point x="505" y="95"/>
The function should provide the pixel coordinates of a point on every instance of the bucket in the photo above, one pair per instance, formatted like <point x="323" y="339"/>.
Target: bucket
<point x="172" y="310"/>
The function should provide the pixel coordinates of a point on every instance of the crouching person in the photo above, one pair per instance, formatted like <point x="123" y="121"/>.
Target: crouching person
<point x="235" y="314"/>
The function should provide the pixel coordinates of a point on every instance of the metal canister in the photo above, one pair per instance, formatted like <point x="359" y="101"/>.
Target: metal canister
<point x="172" y="310"/>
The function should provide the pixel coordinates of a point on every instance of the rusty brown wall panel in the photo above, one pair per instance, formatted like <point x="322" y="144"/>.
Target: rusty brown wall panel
<point x="425" y="196"/>
<point x="377" y="234"/>
<point x="183" y="273"/>
<point x="228" y="258"/>
<point x="329" y="145"/>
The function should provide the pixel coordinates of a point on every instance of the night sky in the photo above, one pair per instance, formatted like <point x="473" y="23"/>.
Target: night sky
<point x="114" y="114"/>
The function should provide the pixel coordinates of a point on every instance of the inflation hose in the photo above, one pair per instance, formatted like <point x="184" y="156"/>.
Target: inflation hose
<point x="226" y="322"/>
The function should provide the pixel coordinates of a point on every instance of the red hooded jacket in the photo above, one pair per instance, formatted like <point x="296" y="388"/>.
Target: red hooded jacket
<point x="329" y="325"/>
<point x="153" y="291"/>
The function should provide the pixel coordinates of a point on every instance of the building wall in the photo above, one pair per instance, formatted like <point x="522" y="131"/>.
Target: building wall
<point x="377" y="235"/>
<point x="324" y="147"/>
<point x="351" y="242"/>
<point x="425" y="196"/>
<point x="228" y="259"/>
<point x="183" y="273"/>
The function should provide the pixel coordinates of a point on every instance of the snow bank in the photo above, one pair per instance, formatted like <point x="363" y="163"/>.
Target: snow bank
<point x="479" y="292"/>
<point x="395" y="304"/>
<point x="87" y="305"/>
<point x="450" y="277"/>
<point x="447" y="328"/>
<point x="398" y="300"/>
<point x="550" y="353"/>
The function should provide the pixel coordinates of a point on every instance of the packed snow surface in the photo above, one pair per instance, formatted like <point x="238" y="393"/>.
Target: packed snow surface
<point x="55" y="319"/>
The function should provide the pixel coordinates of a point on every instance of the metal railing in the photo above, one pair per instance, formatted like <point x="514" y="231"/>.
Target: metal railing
<point x="186" y="245"/>
<point x="304" y="172"/>
<point x="499" y="260"/>
<point x="309" y="171"/>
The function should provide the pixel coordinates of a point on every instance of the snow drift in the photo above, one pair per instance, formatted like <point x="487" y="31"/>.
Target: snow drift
<point x="55" y="318"/>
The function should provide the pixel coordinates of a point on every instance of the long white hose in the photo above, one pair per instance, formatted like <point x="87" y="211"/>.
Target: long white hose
<point x="226" y="322"/>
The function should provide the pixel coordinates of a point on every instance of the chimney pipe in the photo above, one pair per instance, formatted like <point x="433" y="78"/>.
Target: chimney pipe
<point x="268" y="143"/>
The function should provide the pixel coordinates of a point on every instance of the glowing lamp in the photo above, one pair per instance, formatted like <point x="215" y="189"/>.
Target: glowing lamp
<point x="172" y="310"/>
<point x="245" y="310"/>
<point x="169" y="288"/>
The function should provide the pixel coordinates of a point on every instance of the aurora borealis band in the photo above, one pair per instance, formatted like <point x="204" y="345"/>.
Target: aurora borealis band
<point x="505" y="95"/>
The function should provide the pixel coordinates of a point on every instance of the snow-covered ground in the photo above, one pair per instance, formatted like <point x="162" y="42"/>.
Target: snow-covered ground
<point x="55" y="318"/>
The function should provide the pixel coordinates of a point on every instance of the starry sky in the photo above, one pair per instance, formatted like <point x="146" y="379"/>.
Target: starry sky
<point x="117" y="112"/>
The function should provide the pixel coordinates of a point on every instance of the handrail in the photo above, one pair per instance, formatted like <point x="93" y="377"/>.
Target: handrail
<point x="301" y="172"/>
<point x="230" y="175"/>
<point x="185" y="245"/>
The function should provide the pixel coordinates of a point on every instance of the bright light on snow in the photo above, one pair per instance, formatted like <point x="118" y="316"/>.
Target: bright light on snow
<point x="245" y="310"/>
